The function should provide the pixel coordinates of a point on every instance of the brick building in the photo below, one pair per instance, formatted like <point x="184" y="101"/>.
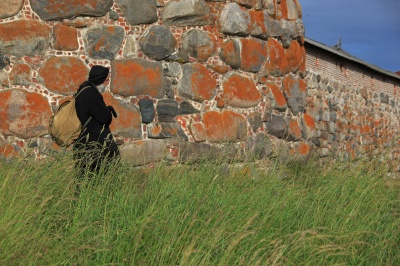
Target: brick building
<point x="341" y="66"/>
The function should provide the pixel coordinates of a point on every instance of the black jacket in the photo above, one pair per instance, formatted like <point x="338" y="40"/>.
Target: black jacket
<point x="90" y="103"/>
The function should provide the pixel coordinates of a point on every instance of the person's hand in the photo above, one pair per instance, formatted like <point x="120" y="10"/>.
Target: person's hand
<point x="112" y="110"/>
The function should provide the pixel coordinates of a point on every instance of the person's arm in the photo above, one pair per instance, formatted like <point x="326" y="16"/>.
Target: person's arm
<point x="99" y="110"/>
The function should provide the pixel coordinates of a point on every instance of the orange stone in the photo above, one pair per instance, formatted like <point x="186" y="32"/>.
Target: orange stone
<point x="224" y="126"/>
<point x="24" y="114"/>
<point x="129" y="122"/>
<point x="63" y="74"/>
<point x="65" y="38"/>
<point x="240" y="91"/>
<point x="137" y="77"/>
<point x="276" y="63"/>
<point x="21" y="74"/>
<point x="253" y="54"/>
<point x="280" y="99"/>
<point x="295" y="56"/>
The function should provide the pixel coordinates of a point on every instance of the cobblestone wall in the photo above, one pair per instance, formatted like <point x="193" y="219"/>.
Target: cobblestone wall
<point x="190" y="79"/>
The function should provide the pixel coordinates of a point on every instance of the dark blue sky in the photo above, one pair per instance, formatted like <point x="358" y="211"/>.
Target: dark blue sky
<point x="369" y="29"/>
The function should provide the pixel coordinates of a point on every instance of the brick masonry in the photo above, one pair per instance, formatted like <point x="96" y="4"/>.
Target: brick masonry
<point x="191" y="79"/>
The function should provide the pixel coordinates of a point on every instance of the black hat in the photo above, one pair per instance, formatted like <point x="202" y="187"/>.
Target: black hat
<point x="98" y="74"/>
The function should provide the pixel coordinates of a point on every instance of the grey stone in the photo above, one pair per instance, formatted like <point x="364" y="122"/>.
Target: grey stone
<point x="104" y="42"/>
<point x="191" y="86"/>
<point x="68" y="9"/>
<point x="187" y="13"/>
<point x="143" y="152"/>
<point x="130" y="49"/>
<point x="29" y="38"/>
<point x="255" y="121"/>
<point x="139" y="11"/>
<point x="258" y="147"/>
<point x="277" y="126"/>
<point x="157" y="42"/>
<point x="147" y="110"/>
<point x="287" y="33"/>
<point x="165" y="130"/>
<point x="296" y="99"/>
<point x="9" y="8"/>
<point x="192" y="152"/>
<point x="384" y="97"/>
<point x="172" y="69"/>
<point x="186" y="108"/>
<point x="232" y="59"/>
<point x="113" y="15"/>
<point x="4" y="79"/>
<point x="4" y="61"/>
<point x="233" y="20"/>
<point x="167" y="110"/>
<point x="198" y="44"/>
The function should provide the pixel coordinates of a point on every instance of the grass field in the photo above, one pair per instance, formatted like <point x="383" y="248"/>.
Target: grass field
<point x="263" y="213"/>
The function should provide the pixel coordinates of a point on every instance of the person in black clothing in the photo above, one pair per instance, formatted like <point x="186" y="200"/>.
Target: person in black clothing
<point x="95" y="148"/>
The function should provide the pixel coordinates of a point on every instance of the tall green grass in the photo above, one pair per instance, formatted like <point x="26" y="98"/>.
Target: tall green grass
<point x="200" y="214"/>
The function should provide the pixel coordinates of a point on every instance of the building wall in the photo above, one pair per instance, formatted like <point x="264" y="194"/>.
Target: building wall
<point x="190" y="80"/>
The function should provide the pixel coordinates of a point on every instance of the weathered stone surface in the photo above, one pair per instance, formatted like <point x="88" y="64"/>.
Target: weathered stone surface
<point x="139" y="11"/>
<point x="143" y="152"/>
<point x="276" y="63"/>
<point x="258" y="147"/>
<point x="4" y="61"/>
<point x="61" y="9"/>
<point x="172" y="69"/>
<point x="130" y="49"/>
<point x="128" y="123"/>
<point x="280" y="102"/>
<point x="137" y="77"/>
<point x="147" y="110"/>
<point x="190" y="152"/>
<point x="308" y="127"/>
<point x="295" y="56"/>
<point x="24" y="114"/>
<point x="65" y="38"/>
<point x="224" y="126"/>
<point x="4" y="81"/>
<point x="277" y="126"/>
<point x="258" y="27"/>
<point x="240" y="91"/>
<point x="199" y="44"/>
<point x="198" y="131"/>
<point x="24" y="37"/>
<point x="9" y="8"/>
<point x="294" y="130"/>
<point x="167" y="110"/>
<point x="234" y="20"/>
<point x="157" y="42"/>
<point x="295" y="93"/>
<point x="63" y="74"/>
<point x="246" y="54"/>
<point x="187" y="13"/>
<point x="253" y="54"/>
<point x="166" y="130"/>
<point x="186" y="108"/>
<point x="197" y="83"/>
<point x="255" y="121"/>
<point x="230" y="53"/>
<point x="104" y="42"/>
<point x="289" y="9"/>
<point x="21" y="75"/>
<point x="113" y="15"/>
<point x="8" y="150"/>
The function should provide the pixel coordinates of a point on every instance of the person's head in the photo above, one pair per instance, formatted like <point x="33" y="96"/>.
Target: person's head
<point x="98" y="75"/>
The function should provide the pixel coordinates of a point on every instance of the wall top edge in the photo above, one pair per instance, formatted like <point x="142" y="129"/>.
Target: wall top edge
<point x="351" y="58"/>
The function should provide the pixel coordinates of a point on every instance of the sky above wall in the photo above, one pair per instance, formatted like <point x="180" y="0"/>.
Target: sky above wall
<point x="368" y="29"/>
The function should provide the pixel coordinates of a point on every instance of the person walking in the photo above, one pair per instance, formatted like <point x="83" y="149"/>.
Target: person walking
<point x="95" y="148"/>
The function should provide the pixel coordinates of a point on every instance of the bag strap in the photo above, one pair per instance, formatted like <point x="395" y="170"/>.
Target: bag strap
<point x="75" y="96"/>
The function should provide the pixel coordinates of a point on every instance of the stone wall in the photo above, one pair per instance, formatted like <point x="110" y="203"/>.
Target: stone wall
<point x="355" y="105"/>
<point x="190" y="79"/>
